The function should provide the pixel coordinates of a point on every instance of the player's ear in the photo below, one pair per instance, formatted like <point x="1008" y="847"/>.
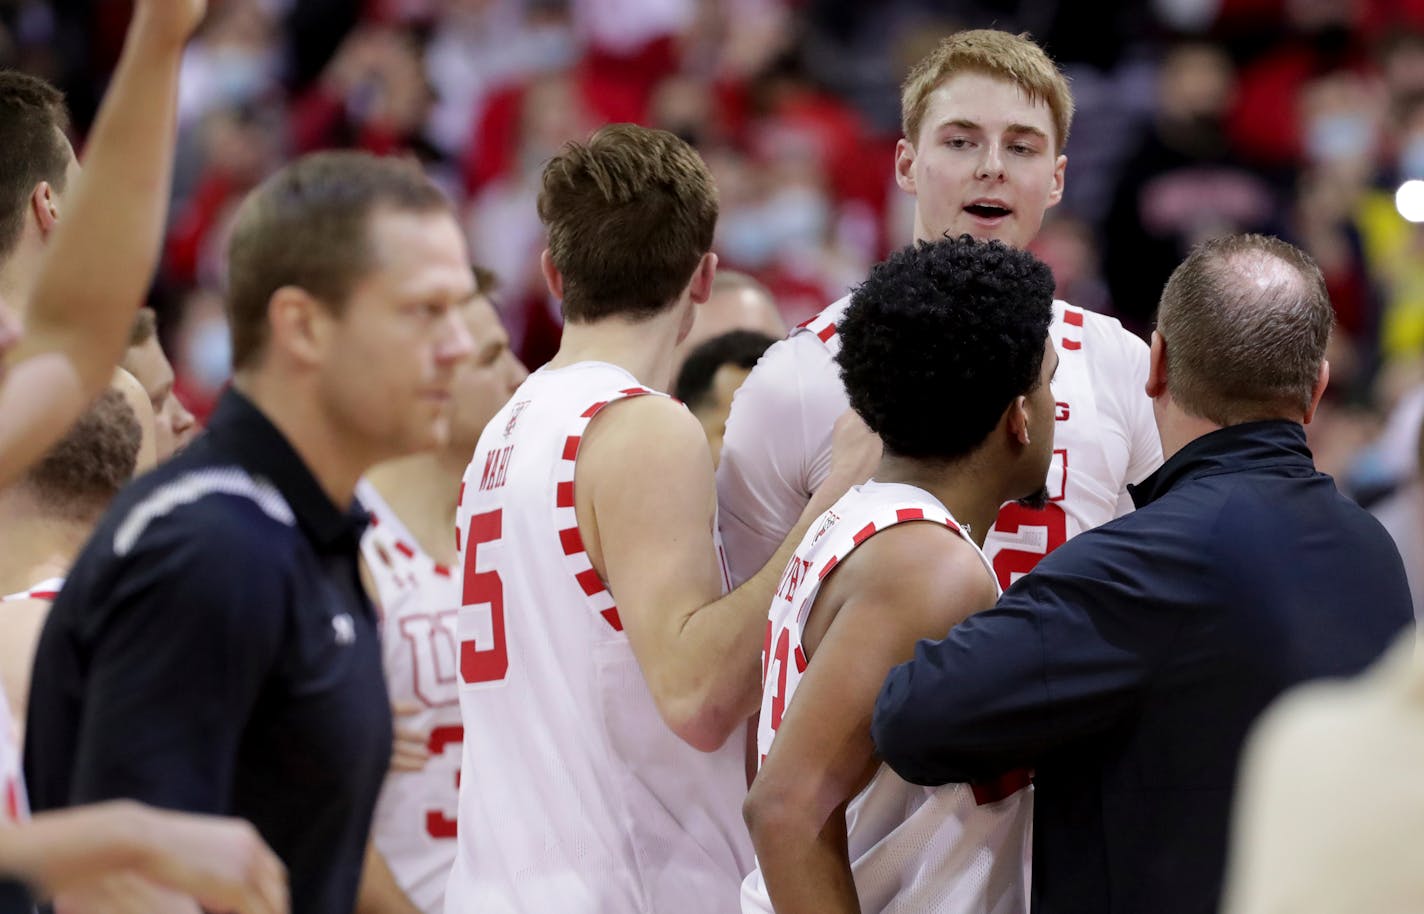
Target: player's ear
<point x="45" y="207"/>
<point x="1016" y="420"/>
<point x="552" y="277"/>
<point x="1055" y="193"/>
<point x="700" y="289"/>
<point x="905" y="165"/>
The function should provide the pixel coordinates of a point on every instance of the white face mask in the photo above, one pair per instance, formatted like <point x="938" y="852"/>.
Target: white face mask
<point x="208" y="355"/>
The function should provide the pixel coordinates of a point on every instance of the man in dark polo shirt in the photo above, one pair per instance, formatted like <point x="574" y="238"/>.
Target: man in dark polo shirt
<point x="213" y="649"/>
<point x="1128" y="666"/>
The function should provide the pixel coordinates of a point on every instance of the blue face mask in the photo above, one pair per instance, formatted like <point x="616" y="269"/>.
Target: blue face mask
<point x="755" y="236"/>
<point x="209" y="354"/>
<point x="1411" y="158"/>
<point x="1339" y="137"/>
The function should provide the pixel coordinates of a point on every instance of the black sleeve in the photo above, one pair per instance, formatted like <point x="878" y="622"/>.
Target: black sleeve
<point x="181" y="646"/>
<point x="1062" y="655"/>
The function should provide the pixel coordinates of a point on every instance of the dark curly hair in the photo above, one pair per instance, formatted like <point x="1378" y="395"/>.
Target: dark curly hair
<point x="735" y="347"/>
<point x="940" y="340"/>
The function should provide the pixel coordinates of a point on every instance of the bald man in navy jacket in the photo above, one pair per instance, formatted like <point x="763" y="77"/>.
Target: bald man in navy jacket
<point x="1127" y="668"/>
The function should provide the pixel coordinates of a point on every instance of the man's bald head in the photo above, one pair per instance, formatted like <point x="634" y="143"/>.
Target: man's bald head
<point x="738" y="302"/>
<point x="1245" y="320"/>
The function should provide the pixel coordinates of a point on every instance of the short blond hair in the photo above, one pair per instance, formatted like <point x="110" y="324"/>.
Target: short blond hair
<point x="990" y="52"/>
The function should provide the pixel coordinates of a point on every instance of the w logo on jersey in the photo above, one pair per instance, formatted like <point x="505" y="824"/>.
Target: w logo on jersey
<point x="514" y="413"/>
<point x="828" y="520"/>
<point x="431" y="639"/>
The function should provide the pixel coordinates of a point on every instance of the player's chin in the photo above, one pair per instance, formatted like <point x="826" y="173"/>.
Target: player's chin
<point x="1037" y="501"/>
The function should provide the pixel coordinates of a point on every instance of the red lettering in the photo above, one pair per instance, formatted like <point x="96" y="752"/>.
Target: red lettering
<point x="496" y="468"/>
<point x="486" y="476"/>
<point x="1062" y="414"/>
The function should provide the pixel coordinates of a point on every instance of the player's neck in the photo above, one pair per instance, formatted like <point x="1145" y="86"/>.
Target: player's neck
<point x="644" y="348"/>
<point x="34" y="546"/>
<point x="423" y="491"/>
<point x="17" y="279"/>
<point x="958" y="486"/>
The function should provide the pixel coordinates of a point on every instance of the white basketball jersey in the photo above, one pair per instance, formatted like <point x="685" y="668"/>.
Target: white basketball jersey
<point x="778" y="444"/>
<point x="14" y="804"/>
<point x="414" y="823"/>
<point x="576" y="797"/>
<point x="953" y="849"/>
<point x="47" y="589"/>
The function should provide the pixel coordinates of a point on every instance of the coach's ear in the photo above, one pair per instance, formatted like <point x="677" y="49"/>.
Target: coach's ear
<point x="552" y="277"/>
<point x="1157" y="367"/>
<point x="1322" y="381"/>
<point x="1016" y="420"/>
<point x="298" y="325"/>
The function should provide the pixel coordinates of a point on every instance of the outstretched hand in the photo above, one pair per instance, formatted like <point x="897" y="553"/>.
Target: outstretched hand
<point x="222" y="863"/>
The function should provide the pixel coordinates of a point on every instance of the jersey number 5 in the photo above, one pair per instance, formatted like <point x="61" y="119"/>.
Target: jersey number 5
<point x="484" y="657"/>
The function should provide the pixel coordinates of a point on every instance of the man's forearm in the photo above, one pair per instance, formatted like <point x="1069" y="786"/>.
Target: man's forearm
<point x="379" y="892"/>
<point x="728" y="635"/>
<point x="808" y="874"/>
<point x="98" y="267"/>
<point x="105" y="246"/>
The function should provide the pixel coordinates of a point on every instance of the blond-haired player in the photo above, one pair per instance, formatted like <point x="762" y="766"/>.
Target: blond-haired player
<point x="605" y="679"/>
<point x="986" y="117"/>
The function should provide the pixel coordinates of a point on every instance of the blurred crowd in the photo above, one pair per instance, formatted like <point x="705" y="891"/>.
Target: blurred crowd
<point x="1301" y="118"/>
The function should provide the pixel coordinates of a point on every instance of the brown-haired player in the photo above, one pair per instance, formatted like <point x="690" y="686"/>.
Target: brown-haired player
<point x="605" y="679"/>
<point x="986" y="118"/>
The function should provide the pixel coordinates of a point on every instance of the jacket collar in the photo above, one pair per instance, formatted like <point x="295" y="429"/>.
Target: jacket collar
<point x="1273" y="442"/>
<point x="261" y="449"/>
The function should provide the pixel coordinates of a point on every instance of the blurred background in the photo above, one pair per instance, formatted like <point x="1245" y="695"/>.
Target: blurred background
<point x="1302" y="118"/>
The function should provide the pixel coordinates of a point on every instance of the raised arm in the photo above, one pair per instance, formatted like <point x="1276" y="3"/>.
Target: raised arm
<point x="99" y="265"/>
<point x="645" y="474"/>
<point x="910" y="582"/>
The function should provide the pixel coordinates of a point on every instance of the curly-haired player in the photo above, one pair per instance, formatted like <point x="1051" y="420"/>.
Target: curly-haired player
<point x="896" y="560"/>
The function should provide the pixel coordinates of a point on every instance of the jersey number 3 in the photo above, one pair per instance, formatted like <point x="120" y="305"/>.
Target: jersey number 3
<point x="484" y="657"/>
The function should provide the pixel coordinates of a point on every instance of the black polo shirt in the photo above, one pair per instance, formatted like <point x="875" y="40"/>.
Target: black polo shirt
<point x="213" y="651"/>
